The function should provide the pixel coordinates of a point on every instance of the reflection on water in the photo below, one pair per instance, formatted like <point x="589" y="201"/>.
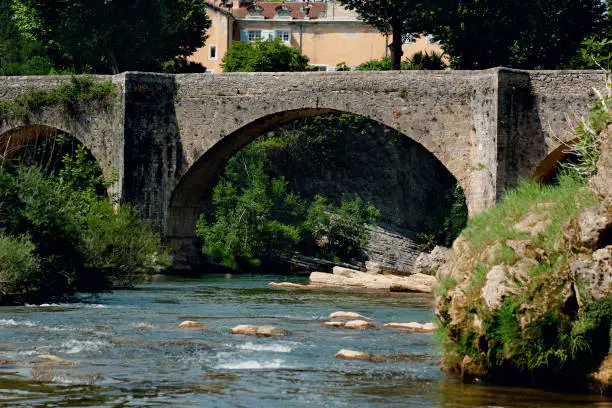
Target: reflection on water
<point x="125" y="349"/>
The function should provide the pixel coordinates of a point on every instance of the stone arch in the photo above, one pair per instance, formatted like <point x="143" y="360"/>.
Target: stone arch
<point x="548" y="167"/>
<point x="16" y="138"/>
<point x="197" y="181"/>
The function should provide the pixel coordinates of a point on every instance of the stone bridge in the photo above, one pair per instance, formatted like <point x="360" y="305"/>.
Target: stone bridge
<point x="168" y="136"/>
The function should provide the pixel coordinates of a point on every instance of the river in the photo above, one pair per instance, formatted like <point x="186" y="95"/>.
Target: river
<point x="127" y="350"/>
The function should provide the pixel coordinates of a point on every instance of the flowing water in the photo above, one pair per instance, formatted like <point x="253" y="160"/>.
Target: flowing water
<point x="125" y="349"/>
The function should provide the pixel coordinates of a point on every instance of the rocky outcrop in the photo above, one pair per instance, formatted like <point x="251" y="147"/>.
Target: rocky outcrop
<point x="390" y="251"/>
<point x="429" y="263"/>
<point x="526" y="297"/>
<point x="601" y="183"/>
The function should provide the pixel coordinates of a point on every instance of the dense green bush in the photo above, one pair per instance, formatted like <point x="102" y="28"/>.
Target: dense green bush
<point x="418" y="61"/>
<point x="19" y="265"/>
<point x="66" y="233"/>
<point x="257" y="216"/>
<point x="339" y="231"/>
<point x="263" y="56"/>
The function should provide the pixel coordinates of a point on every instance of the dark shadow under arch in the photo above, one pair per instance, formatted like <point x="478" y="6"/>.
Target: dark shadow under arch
<point x="14" y="140"/>
<point x="196" y="184"/>
<point x="548" y="168"/>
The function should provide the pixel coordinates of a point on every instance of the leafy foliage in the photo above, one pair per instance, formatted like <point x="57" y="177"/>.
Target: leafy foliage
<point x="253" y="213"/>
<point x="402" y="18"/>
<point x="263" y="56"/>
<point x="257" y="216"/>
<point x="69" y="95"/>
<point x="340" y="231"/>
<point x="20" y="55"/>
<point x="106" y="36"/>
<point x="419" y="61"/>
<point x="536" y="34"/>
<point x="19" y="264"/>
<point x="66" y="233"/>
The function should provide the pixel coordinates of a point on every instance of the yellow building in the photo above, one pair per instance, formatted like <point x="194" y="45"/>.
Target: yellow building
<point x="324" y="31"/>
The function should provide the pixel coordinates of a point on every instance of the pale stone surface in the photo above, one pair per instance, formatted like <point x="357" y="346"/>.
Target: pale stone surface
<point x="595" y="273"/>
<point x="592" y="223"/>
<point x="429" y="263"/>
<point x="347" y="315"/>
<point x="268" y="331"/>
<point x="495" y="288"/>
<point x="601" y="183"/>
<point x="341" y="271"/>
<point x="191" y="324"/>
<point x="413" y="326"/>
<point x="263" y="331"/>
<point x="413" y="283"/>
<point x="534" y="223"/>
<point x="353" y="355"/>
<point x="248" y="329"/>
<point x="358" y="324"/>
<point x="289" y="285"/>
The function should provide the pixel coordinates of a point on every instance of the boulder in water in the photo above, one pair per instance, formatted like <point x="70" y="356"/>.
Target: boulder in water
<point x="413" y="326"/>
<point x="354" y="355"/>
<point x="263" y="331"/>
<point x="347" y="315"/>
<point x="333" y="324"/>
<point x="191" y="324"/>
<point x="55" y="359"/>
<point x="358" y="324"/>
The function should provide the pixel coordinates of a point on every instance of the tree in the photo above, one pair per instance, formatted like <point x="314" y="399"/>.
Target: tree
<point x="533" y="34"/>
<point x="115" y="35"/>
<point x="19" y="55"/>
<point x="400" y="18"/>
<point x="263" y="56"/>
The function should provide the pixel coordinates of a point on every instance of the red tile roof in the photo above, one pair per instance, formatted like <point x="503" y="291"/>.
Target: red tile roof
<point x="269" y="10"/>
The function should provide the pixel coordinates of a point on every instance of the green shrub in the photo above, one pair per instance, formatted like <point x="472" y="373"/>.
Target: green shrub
<point x="69" y="95"/>
<point x="19" y="265"/>
<point x="263" y="56"/>
<point x="340" y="231"/>
<point x="120" y="244"/>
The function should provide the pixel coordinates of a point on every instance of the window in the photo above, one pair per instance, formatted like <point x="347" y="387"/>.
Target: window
<point x="252" y="35"/>
<point x="212" y="52"/>
<point x="284" y="35"/>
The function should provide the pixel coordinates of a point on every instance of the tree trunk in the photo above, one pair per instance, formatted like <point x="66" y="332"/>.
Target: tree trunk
<point x="113" y="62"/>
<point x="396" y="47"/>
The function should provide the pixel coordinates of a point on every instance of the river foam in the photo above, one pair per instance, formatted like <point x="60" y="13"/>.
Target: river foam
<point x="252" y="365"/>
<point x="274" y="347"/>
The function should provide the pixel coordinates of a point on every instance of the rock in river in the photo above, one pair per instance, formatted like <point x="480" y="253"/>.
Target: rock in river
<point x="358" y="324"/>
<point x="347" y="315"/>
<point x="263" y="331"/>
<point x="353" y="355"/>
<point x="191" y="324"/>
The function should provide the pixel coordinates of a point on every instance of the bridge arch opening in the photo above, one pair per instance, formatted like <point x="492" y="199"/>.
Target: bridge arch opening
<point x="384" y="166"/>
<point x="549" y="168"/>
<point x="46" y="147"/>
